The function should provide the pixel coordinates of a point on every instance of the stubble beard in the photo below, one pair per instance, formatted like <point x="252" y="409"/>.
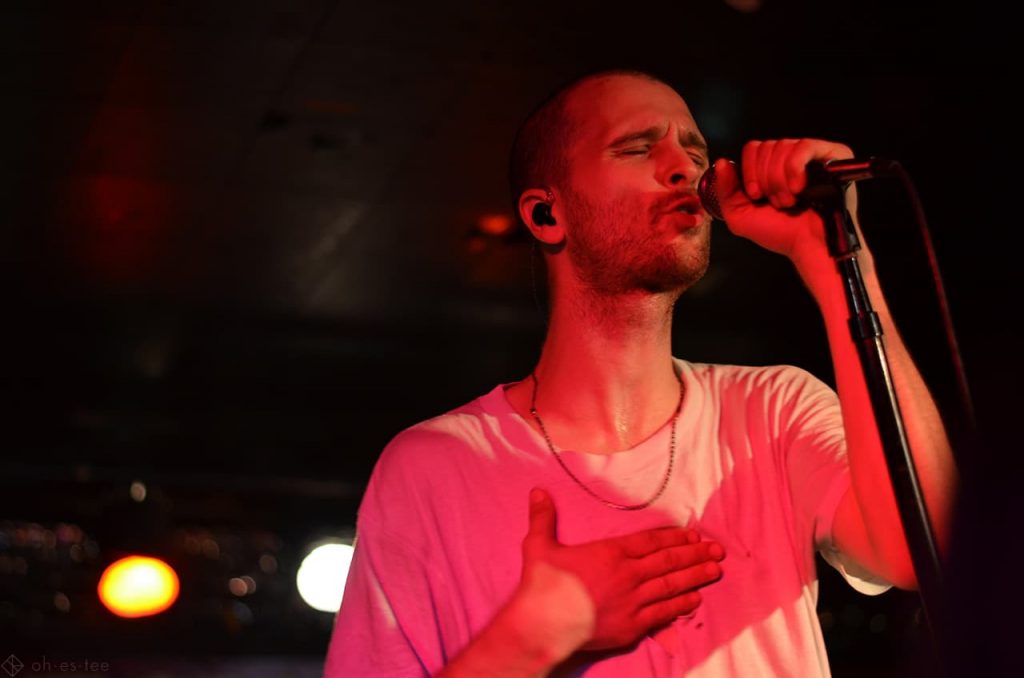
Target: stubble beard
<point x="617" y="250"/>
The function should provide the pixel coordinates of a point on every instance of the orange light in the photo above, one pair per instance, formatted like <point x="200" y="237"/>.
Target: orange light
<point x="138" y="586"/>
<point x="495" y="224"/>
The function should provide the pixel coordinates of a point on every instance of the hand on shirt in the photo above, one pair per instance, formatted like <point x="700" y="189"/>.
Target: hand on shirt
<point x="633" y="583"/>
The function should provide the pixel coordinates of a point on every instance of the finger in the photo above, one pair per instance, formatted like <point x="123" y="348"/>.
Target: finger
<point x="670" y="560"/>
<point x="748" y="168"/>
<point x="762" y="169"/>
<point x="641" y="544"/>
<point x="728" y="189"/>
<point x="779" y="170"/>
<point x="664" y="611"/>
<point x="796" y="166"/>
<point x="678" y="582"/>
<point x="807" y="150"/>
<point x="542" y="519"/>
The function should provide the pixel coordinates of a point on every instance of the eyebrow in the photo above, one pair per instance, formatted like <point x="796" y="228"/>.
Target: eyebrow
<point x="688" y="139"/>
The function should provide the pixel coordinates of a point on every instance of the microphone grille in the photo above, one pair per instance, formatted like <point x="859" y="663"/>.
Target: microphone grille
<point x="708" y="195"/>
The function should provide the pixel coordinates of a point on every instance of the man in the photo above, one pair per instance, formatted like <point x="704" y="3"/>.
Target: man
<point x="675" y="508"/>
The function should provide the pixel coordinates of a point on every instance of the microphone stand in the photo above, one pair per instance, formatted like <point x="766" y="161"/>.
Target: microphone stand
<point x="827" y="198"/>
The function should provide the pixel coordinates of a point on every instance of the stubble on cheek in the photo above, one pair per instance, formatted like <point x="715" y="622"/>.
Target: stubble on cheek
<point x="622" y="247"/>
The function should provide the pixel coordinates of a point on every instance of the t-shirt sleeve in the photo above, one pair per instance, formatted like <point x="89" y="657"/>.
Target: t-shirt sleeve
<point x="390" y="621"/>
<point x="386" y="614"/>
<point x="818" y="471"/>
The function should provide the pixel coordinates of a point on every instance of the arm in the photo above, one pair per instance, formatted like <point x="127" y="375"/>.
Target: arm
<point x="867" y="526"/>
<point x="598" y="595"/>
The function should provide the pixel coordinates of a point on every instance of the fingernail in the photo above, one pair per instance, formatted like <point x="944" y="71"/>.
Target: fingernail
<point x="713" y="569"/>
<point x="536" y="495"/>
<point x="715" y="551"/>
<point x="753" y="190"/>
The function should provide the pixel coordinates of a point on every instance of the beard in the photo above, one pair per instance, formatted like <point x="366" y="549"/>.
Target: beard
<point x="617" y="248"/>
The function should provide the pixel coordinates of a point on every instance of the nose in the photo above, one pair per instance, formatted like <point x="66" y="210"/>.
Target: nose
<point x="678" y="168"/>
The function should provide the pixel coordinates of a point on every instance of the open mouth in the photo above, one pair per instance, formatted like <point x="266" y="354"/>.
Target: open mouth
<point x="688" y="205"/>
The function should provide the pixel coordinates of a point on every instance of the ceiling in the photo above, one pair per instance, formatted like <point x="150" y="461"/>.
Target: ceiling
<point x="241" y="248"/>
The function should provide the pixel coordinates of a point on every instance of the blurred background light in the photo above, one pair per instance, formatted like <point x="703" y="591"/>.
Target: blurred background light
<point x="496" y="224"/>
<point x="137" y="491"/>
<point x="322" y="574"/>
<point x="138" y="586"/>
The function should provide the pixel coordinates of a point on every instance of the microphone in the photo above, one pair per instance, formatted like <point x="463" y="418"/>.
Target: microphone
<point x="820" y="176"/>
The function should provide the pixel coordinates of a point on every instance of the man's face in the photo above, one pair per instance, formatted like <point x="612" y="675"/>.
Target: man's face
<point x="634" y="222"/>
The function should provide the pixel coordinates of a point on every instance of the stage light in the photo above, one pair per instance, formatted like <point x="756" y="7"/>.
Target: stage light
<point x="138" y="586"/>
<point x="322" y="574"/>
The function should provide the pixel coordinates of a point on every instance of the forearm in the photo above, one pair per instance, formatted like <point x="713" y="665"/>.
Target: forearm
<point x="924" y="428"/>
<point x="544" y="622"/>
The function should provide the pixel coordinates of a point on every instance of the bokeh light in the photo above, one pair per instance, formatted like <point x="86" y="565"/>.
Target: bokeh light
<point x="322" y="574"/>
<point x="138" y="586"/>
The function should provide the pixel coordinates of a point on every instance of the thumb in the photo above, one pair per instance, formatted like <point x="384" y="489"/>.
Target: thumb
<point x="728" y="187"/>
<point x="542" y="518"/>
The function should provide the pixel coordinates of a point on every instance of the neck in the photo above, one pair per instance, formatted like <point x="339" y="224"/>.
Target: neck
<point x="605" y="378"/>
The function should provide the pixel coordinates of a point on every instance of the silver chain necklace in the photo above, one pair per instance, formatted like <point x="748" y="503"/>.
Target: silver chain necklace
<point x="612" y="504"/>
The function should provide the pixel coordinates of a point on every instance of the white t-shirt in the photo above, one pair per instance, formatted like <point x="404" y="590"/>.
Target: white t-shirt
<point x="760" y="467"/>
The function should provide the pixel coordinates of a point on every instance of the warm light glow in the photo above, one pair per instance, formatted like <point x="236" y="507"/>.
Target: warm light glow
<point x="138" y="586"/>
<point x="745" y="6"/>
<point x="495" y="224"/>
<point x="321" y="577"/>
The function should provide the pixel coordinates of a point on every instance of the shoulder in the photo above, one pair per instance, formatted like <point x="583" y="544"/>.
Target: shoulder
<point x="782" y="394"/>
<point x="428" y="453"/>
<point x="766" y="379"/>
<point x="459" y="430"/>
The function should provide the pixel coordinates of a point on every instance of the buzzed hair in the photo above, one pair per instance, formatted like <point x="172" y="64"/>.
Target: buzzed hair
<point x="538" y="156"/>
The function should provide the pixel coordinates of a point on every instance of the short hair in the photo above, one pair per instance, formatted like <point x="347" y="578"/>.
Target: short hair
<point x="538" y="155"/>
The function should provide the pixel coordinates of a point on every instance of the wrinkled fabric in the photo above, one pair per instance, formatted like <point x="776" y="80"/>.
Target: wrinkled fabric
<point x="760" y="467"/>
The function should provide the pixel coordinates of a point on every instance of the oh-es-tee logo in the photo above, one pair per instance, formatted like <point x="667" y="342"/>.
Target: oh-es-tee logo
<point x="12" y="666"/>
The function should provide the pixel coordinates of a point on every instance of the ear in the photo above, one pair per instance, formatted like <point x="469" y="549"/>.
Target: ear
<point x="549" y="234"/>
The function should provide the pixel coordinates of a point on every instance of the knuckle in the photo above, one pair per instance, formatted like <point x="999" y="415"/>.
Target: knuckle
<point x="665" y="587"/>
<point x="805" y="144"/>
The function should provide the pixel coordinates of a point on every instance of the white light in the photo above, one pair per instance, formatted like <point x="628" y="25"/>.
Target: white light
<point x="322" y="574"/>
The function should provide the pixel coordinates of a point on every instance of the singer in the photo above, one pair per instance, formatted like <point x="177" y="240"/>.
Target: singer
<point x="621" y="511"/>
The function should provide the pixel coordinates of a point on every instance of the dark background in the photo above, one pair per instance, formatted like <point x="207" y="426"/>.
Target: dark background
<point x="239" y="251"/>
